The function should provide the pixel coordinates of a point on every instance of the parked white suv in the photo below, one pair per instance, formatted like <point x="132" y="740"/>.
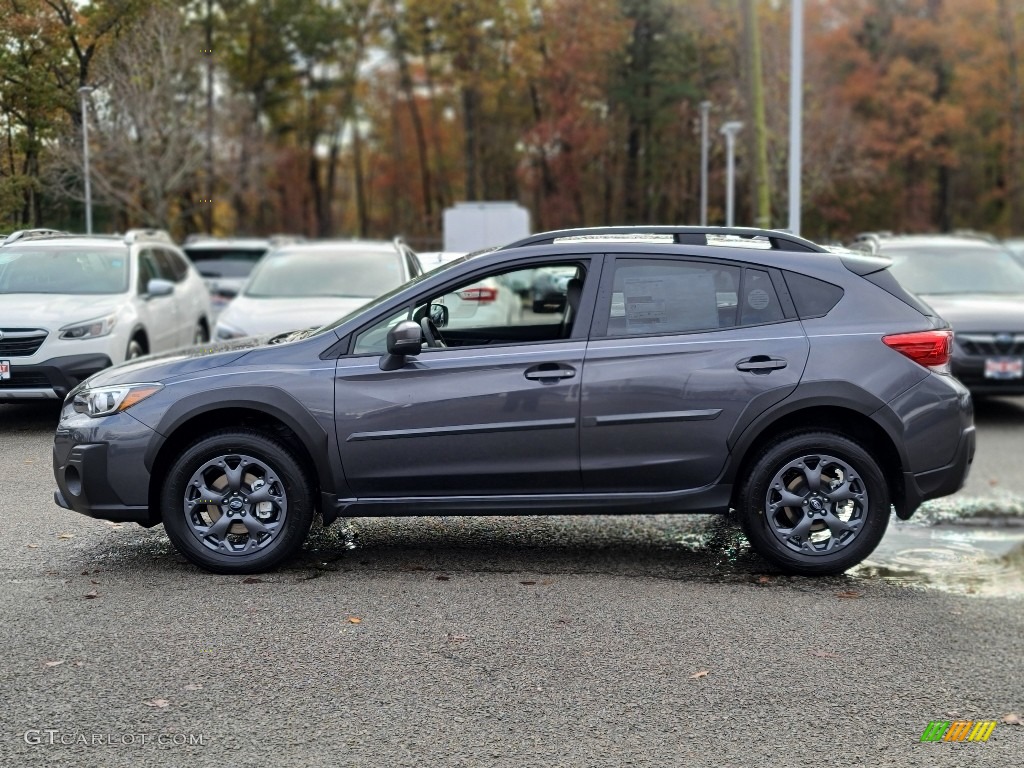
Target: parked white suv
<point x="72" y="305"/>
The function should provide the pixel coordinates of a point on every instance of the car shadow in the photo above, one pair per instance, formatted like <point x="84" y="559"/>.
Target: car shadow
<point x="1001" y="411"/>
<point x="29" y="417"/>
<point x="696" y="548"/>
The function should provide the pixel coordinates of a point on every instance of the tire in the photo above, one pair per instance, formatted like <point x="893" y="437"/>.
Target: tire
<point x="134" y="350"/>
<point x="201" y="334"/>
<point x="237" y="534"/>
<point x="538" y="306"/>
<point x="821" y="532"/>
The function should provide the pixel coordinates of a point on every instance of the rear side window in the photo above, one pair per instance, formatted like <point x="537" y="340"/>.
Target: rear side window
<point x="667" y="296"/>
<point x="758" y="300"/>
<point x="812" y="297"/>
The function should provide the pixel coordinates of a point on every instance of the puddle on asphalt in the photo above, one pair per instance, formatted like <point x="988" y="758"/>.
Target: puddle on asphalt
<point x="974" y="556"/>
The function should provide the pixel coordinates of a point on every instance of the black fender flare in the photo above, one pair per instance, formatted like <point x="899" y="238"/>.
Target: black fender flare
<point x="273" y="401"/>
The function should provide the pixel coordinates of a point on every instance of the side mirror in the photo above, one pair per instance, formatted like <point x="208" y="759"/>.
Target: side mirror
<point x="439" y="315"/>
<point x="406" y="338"/>
<point x="157" y="287"/>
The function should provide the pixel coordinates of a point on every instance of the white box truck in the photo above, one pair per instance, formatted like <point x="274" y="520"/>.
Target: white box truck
<point x="473" y="226"/>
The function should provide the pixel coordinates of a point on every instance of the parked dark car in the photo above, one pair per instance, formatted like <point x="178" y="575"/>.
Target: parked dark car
<point x="975" y="284"/>
<point x="804" y="389"/>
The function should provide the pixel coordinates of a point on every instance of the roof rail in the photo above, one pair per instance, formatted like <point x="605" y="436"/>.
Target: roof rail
<point x="777" y="240"/>
<point x="975" y="234"/>
<point x="30" y="234"/>
<point x="135" y="235"/>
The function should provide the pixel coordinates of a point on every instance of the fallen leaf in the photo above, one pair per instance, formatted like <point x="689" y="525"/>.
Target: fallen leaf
<point x="458" y="638"/>
<point x="993" y="481"/>
<point x="547" y="582"/>
<point x="698" y="675"/>
<point x="849" y="594"/>
<point x="92" y="595"/>
<point x="33" y="546"/>
<point x="825" y="654"/>
<point x="443" y="578"/>
<point x="763" y="579"/>
<point x="1013" y="719"/>
<point x="252" y="580"/>
<point x="194" y="687"/>
<point x="157" y="703"/>
<point x="66" y="536"/>
<point x="94" y="581"/>
<point x="55" y="663"/>
<point x="354" y="620"/>
<point x="527" y="583"/>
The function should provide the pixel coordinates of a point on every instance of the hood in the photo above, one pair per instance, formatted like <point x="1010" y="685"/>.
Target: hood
<point x="54" y="310"/>
<point x="177" y="362"/>
<point x="980" y="312"/>
<point x="254" y="316"/>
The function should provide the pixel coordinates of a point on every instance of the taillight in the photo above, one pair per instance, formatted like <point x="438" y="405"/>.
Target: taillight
<point x="928" y="348"/>
<point x="482" y="295"/>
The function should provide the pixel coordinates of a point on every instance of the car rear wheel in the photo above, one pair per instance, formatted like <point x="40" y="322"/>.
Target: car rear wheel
<point x="201" y="335"/>
<point x="237" y="501"/>
<point x="814" y="503"/>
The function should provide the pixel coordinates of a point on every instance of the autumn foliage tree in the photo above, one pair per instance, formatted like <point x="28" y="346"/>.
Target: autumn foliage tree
<point x="370" y="117"/>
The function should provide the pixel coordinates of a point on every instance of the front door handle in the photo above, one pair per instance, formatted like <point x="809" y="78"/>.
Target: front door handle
<point x="550" y="372"/>
<point x="761" y="364"/>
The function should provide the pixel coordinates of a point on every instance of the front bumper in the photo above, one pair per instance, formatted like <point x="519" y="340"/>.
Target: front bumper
<point x="99" y="468"/>
<point x="51" y="379"/>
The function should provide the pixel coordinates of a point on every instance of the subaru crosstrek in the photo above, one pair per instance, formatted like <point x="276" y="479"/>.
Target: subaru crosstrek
<point x="689" y="370"/>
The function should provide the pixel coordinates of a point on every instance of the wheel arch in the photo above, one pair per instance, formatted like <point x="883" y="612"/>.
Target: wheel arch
<point x="273" y="412"/>
<point x="846" y="418"/>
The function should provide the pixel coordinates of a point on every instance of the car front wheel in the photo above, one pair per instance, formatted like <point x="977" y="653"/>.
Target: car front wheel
<point x="237" y="501"/>
<point x="814" y="503"/>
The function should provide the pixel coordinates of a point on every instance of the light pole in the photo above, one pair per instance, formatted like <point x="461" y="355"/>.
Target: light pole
<point x="83" y="93"/>
<point x="705" y="107"/>
<point x="729" y="130"/>
<point x="796" y="109"/>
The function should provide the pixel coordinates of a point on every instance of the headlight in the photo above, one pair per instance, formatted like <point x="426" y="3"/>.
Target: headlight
<point x="89" y="329"/>
<point x="225" y="331"/>
<point x="103" y="401"/>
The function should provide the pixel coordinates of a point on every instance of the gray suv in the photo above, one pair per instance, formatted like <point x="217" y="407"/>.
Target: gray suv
<point x="689" y="370"/>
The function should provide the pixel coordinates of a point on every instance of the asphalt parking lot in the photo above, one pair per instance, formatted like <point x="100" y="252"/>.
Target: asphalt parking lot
<point x="564" y="641"/>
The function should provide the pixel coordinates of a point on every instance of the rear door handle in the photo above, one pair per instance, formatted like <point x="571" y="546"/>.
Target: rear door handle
<point x="550" y="372"/>
<point x="761" y="364"/>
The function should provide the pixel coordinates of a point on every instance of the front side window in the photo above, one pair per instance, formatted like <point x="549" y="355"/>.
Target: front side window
<point x="510" y="307"/>
<point x="65" y="270"/>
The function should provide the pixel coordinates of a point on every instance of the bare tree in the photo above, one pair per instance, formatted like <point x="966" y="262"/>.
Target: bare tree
<point x="147" y="128"/>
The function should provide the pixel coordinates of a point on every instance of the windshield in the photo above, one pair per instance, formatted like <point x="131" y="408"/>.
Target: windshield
<point x="345" y="273"/>
<point x="65" y="270"/>
<point x="953" y="270"/>
<point x="225" y="262"/>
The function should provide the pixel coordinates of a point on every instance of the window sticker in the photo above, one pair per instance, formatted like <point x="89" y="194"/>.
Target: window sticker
<point x="758" y="299"/>
<point x="670" y="303"/>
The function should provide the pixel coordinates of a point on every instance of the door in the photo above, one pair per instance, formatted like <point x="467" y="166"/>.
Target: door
<point x="159" y="313"/>
<point x="497" y="415"/>
<point x="679" y="350"/>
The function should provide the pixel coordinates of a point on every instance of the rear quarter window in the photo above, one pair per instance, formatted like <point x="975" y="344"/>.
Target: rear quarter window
<point x="811" y="296"/>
